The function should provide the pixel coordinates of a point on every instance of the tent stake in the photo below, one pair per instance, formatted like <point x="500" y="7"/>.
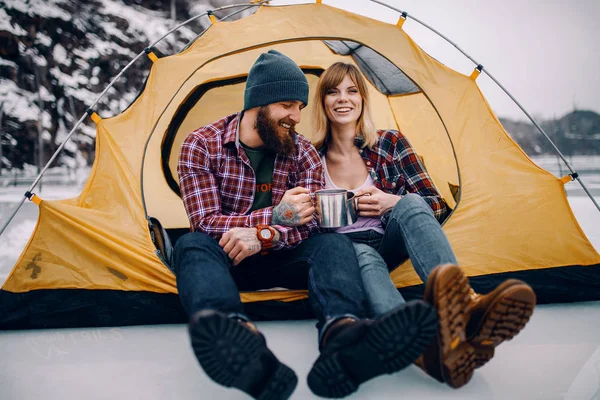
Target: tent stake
<point x="539" y="128"/>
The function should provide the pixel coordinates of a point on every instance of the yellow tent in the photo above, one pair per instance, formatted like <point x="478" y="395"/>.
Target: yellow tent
<point x="92" y="261"/>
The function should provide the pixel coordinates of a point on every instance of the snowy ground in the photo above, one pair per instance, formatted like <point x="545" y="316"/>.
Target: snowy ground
<point x="556" y="357"/>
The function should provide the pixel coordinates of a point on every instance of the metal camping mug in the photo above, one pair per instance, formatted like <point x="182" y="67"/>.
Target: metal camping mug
<point x="336" y="208"/>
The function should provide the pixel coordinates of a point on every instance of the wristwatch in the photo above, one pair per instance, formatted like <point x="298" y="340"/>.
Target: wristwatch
<point x="265" y="234"/>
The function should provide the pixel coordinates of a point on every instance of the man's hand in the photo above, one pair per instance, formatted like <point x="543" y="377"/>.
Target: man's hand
<point x="376" y="203"/>
<point x="296" y="208"/>
<point x="240" y="243"/>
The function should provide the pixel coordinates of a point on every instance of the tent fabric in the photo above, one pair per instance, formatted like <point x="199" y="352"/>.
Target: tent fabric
<point x="386" y="77"/>
<point x="510" y="217"/>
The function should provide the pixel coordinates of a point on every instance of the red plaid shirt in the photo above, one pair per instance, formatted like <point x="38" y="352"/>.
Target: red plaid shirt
<point x="218" y="184"/>
<point x="395" y="168"/>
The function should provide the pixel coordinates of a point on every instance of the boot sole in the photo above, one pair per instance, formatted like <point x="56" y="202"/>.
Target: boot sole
<point x="450" y="358"/>
<point x="226" y="351"/>
<point x="389" y="346"/>
<point x="506" y="316"/>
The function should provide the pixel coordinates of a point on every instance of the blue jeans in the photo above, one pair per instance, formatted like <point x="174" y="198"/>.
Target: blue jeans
<point x="411" y="232"/>
<point x="325" y="264"/>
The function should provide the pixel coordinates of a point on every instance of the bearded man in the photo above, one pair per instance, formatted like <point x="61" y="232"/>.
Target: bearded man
<point x="247" y="182"/>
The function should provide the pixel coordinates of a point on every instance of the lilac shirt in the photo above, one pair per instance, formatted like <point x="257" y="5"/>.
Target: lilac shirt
<point x="362" y="223"/>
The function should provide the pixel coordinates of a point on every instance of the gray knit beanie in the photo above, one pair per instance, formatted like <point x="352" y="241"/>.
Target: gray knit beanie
<point x="274" y="77"/>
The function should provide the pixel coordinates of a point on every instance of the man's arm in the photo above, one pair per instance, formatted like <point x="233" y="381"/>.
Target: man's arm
<point x="201" y="195"/>
<point x="241" y="243"/>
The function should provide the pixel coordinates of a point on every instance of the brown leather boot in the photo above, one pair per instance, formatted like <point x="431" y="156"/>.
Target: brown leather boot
<point x="450" y="358"/>
<point x="498" y="316"/>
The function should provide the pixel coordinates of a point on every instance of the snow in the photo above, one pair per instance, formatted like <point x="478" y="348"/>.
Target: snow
<point x="82" y="64"/>
<point x="33" y="54"/>
<point x="152" y="25"/>
<point x="43" y="39"/>
<point x="86" y="54"/>
<point x="19" y="103"/>
<point x="7" y="25"/>
<point x="8" y="63"/>
<point x="40" y="8"/>
<point x="82" y="94"/>
<point x="46" y="95"/>
<point x="71" y="81"/>
<point x="88" y="130"/>
<point x="61" y="136"/>
<point x="108" y="47"/>
<point x="111" y="29"/>
<point x="60" y="55"/>
<point x="39" y="60"/>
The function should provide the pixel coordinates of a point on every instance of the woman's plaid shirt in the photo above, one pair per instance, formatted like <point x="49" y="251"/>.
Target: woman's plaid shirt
<point x="218" y="184"/>
<point x="396" y="168"/>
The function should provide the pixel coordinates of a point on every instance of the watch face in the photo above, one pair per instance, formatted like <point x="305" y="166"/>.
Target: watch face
<point x="265" y="233"/>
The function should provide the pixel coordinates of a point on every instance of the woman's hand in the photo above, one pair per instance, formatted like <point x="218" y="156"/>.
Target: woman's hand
<point x="374" y="203"/>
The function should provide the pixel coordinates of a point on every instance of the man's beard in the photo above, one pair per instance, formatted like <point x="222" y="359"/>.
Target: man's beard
<point x="269" y="131"/>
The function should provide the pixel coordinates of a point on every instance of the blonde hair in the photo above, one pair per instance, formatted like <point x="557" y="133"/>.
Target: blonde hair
<point x="330" y="79"/>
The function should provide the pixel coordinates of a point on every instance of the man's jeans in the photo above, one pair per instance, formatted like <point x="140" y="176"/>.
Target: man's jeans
<point x="325" y="264"/>
<point x="412" y="232"/>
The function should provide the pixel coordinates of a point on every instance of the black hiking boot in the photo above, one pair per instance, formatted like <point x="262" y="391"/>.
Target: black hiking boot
<point x="234" y="354"/>
<point x="354" y="351"/>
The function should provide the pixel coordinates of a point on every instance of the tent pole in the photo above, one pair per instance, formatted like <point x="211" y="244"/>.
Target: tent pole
<point x="62" y="145"/>
<point x="574" y="175"/>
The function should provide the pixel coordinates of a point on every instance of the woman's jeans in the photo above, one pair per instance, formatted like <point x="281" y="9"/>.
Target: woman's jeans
<point x="325" y="264"/>
<point x="411" y="232"/>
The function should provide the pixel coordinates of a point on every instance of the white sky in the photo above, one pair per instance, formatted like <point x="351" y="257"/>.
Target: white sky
<point x="545" y="53"/>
